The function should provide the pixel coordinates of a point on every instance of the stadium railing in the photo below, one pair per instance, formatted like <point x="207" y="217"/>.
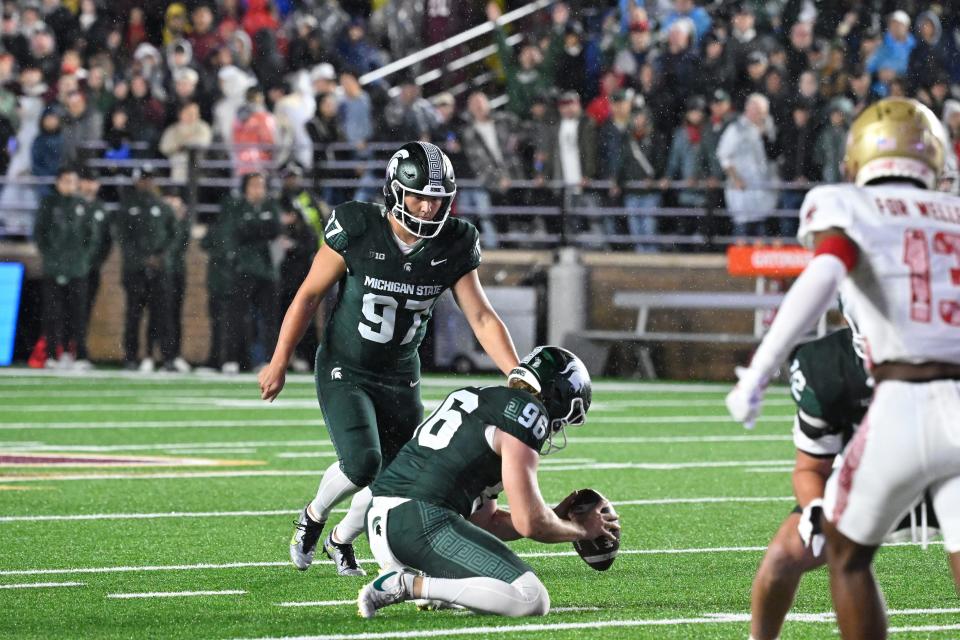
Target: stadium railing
<point x="563" y="224"/>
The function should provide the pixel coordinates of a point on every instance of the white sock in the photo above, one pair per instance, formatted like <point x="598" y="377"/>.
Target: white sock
<point x="333" y="489"/>
<point x="525" y="596"/>
<point x="352" y="524"/>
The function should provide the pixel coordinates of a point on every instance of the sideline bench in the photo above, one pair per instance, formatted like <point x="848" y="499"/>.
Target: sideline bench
<point x="593" y="346"/>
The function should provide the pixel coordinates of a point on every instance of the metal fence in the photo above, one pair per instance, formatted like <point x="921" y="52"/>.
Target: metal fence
<point x="531" y="214"/>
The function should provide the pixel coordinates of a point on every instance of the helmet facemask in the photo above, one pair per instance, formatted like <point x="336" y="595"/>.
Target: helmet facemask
<point x="576" y="417"/>
<point x="419" y="168"/>
<point x="421" y="227"/>
<point x="561" y="382"/>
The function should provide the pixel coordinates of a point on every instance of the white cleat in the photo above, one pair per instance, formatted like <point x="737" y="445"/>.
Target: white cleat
<point x="83" y="365"/>
<point x="387" y="589"/>
<point x="303" y="544"/>
<point x="343" y="556"/>
<point x="230" y="368"/>
<point x="181" y="365"/>
<point x="147" y="366"/>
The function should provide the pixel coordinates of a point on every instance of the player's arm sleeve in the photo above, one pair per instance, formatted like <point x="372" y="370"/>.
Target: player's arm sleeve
<point x="808" y="299"/>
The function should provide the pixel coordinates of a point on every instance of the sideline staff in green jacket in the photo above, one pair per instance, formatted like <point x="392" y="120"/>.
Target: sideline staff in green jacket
<point x="145" y="232"/>
<point x="65" y="238"/>
<point x="255" y="221"/>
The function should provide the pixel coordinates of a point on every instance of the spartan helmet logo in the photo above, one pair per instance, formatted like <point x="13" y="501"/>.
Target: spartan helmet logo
<point x="407" y="266"/>
<point x="394" y="161"/>
<point x="575" y="373"/>
<point x="336" y="373"/>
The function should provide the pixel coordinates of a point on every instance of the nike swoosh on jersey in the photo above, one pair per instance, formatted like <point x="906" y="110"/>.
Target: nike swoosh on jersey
<point x="434" y="263"/>
<point x="414" y="383"/>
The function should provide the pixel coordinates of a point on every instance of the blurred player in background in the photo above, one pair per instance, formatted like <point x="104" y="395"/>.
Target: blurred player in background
<point x="890" y="244"/>
<point x="392" y="263"/>
<point x="434" y="508"/>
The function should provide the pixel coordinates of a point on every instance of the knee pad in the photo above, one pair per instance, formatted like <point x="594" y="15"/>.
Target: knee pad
<point x="534" y="594"/>
<point x="361" y="467"/>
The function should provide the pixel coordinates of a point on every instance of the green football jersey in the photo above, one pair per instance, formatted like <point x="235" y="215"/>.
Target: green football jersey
<point x="449" y="461"/>
<point x="832" y="391"/>
<point x="386" y="297"/>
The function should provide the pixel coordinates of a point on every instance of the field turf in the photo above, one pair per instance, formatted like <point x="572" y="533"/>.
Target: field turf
<point x="192" y="541"/>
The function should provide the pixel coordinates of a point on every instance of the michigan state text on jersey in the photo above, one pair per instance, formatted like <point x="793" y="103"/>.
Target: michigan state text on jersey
<point x="391" y="262"/>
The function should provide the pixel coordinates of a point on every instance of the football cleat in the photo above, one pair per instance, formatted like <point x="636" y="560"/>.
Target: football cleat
<point x="387" y="589"/>
<point x="343" y="557"/>
<point x="303" y="544"/>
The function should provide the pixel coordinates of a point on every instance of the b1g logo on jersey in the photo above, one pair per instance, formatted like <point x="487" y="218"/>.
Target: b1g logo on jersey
<point x="375" y="255"/>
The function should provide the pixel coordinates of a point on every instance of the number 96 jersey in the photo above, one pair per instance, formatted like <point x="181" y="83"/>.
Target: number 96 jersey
<point x="904" y="292"/>
<point x="450" y="459"/>
<point x="387" y="297"/>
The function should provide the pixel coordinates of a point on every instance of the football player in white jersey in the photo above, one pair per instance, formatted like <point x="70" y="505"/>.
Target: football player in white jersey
<point x="890" y="244"/>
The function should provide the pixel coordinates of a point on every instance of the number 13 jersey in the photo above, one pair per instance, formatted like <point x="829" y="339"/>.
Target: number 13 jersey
<point x="904" y="292"/>
<point x="386" y="297"/>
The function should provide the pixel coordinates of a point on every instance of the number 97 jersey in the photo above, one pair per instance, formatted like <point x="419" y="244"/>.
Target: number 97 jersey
<point x="386" y="297"/>
<point x="904" y="292"/>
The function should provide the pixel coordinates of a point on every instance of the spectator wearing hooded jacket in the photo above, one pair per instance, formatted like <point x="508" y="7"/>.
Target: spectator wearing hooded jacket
<point x="898" y="43"/>
<point x="46" y="154"/>
<point x="930" y="57"/>
<point x="254" y="134"/>
<point x="687" y="9"/>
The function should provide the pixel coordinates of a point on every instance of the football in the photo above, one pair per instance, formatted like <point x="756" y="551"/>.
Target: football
<point x="601" y="552"/>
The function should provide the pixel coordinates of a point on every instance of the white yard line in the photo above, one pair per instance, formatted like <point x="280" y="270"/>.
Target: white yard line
<point x="370" y="561"/>
<point x="305" y="454"/>
<point x="175" y="594"/>
<point x="277" y="473"/>
<point x="253" y="444"/>
<point x="17" y="376"/>
<point x="41" y="585"/>
<point x="250" y="513"/>
<point x="677" y="439"/>
<point x="185" y="475"/>
<point x="505" y="629"/>
<point x="318" y="421"/>
<point x="318" y="603"/>
<point x="257" y="444"/>
<point x="710" y="618"/>
<point x="160" y="424"/>
<point x="925" y="628"/>
<point x="669" y="466"/>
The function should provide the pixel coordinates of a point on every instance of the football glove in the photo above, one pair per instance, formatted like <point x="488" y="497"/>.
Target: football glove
<point x="810" y="529"/>
<point x="745" y="400"/>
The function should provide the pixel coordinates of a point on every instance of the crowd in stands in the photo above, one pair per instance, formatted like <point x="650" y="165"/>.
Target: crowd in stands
<point x="655" y="110"/>
<point x="623" y="91"/>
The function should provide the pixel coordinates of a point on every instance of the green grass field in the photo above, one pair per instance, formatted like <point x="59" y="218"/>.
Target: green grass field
<point x="205" y="520"/>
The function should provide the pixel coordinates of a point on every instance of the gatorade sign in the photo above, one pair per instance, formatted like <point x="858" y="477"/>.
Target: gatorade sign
<point x="773" y="262"/>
